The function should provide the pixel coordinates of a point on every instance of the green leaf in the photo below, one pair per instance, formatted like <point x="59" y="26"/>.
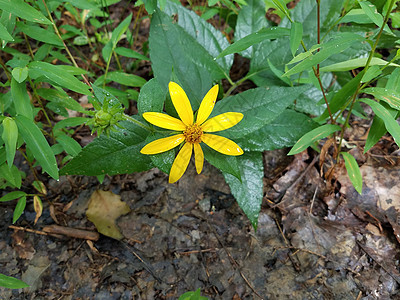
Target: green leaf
<point x="56" y="74"/>
<point x="20" y="74"/>
<point x="130" y="53"/>
<point x="11" y="282"/>
<point x="19" y="209"/>
<point x="339" y="43"/>
<point x="61" y="98"/>
<point x="117" y="154"/>
<point x="151" y="97"/>
<point x="115" y="37"/>
<point x="150" y="6"/>
<point x="282" y="132"/>
<point x="372" y="13"/>
<point x="10" y="137"/>
<point x="70" y="146"/>
<point x="24" y="11"/>
<point x="250" y="20"/>
<point x="164" y="160"/>
<point x="12" y="196"/>
<point x="11" y="174"/>
<point x="37" y="143"/>
<point x="4" y="35"/>
<point x="313" y="136"/>
<point x="259" y="106"/>
<point x="391" y="97"/>
<point x="391" y="124"/>
<point x="40" y="34"/>
<point x="255" y="38"/>
<point x="21" y="99"/>
<point x="249" y="191"/>
<point x="372" y="72"/>
<point x="192" y="296"/>
<point x="171" y="52"/>
<point x="226" y="163"/>
<point x="296" y="35"/>
<point x="122" y="78"/>
<point x="211" y="39"/>
<point x="70" y="122"/>
<point x="281" y="5"/>
<point x="353" y="171"/>
<point x="355" y="63"/>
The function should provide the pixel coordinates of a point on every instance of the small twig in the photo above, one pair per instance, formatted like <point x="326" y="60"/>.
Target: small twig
<point x="28" y="230"/>
<point x="196" y="251"/>
<point x="313" y="199"/>
<point x="295" y="264"/>
<point x="376" y="220"/>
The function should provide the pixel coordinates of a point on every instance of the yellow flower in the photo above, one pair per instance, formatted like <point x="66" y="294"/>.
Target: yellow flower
<point x="193" y="132"/>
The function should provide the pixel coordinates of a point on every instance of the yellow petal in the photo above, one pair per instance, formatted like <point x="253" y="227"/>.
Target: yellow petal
<point x="164" y="121"/>
<point x="181" y="103"/>
<point x="162" y="145"/>
<point x="207" y="105"/>
<point x="180" y="163"/>
<point x="222" y="122"/>
<point x="198" y="157"/>
<point x="222" y="144"/>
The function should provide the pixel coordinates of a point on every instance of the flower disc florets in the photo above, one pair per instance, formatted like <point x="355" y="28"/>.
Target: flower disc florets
<point x="193" y="134"/>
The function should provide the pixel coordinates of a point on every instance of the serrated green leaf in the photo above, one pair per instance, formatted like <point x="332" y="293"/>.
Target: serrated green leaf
<point x="40" y="34"/>
<point x="56" y="74"/>
<point x="313" y="136"/>
<point x="171" y="52"/>
<point x="10" y="137"/>
<point x="70" y="146"/>
<point x="24" y="11"/>
<point x="211" y="39"/>
<point x="37" y="143"/>
<point x="353" y="171"/>
<point x="21" y="99"/>
<point x="355" y="63"/>
<point x="12" y="196"/>
<point x="151" y="97"/>
<point x="19" y="209"/>
<point x="296" y="35"/>
<point x="117" y="154"/>
<point x="130" y="53"/>
<point x="391" y="97"/>
<point x="339" y="43"/>
<point x="226" y="163"/>
<point x="251" y="19"/>
<point x="249" y="191"/>
<point x="259" y="106"/>
<point x="11" y="282"/>
<point x="122" y="78"/>
<point x="4" y="35"/>
<point x="282" y="132"/>
<point x="20" y="74"/>
<point x="391" y="124"/>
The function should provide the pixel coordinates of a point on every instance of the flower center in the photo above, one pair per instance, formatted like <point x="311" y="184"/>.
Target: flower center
<point x="193" y="134"/>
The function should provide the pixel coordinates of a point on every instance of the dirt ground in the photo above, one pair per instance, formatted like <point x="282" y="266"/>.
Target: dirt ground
<point x="314" y="241"/>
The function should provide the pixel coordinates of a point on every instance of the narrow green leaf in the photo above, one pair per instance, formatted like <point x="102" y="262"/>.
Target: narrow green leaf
<point x="20" y="74"/>
<point x="122" y="78"/>
<point x="355" y="63"/>
<point x="130" y="53"/>
<point x="24" y="11"/>
<point x="281" y="5"/>
<point x="56" y="74"/>
<point x="11" y="282"/>
<point x="12" y="196"/>
<point x="115" y="37"/>
<point x="391" y="97"/>
<point x="372" y="13"/>
<point x="12" y="175"/>
<point x="353" y="171"/>
<point x="10" y="137"/>
<point x="151" y="97"/>
<point x="391" y="124"/>
<point x="61" y="98"/>
<point x="296" y="35"/>
<point x="372" y="72"/>
<point x="40" y="34"/>
<point x="117" y="154"/>
<point x="37" y="143"/>
<point x="255" y="38"/>
<point x="70" y="146"/>
<point x="4" y="35"/>
<point x="70" y="122"/>
<point x="249" y="191"/>
<point x="339" y="43"/>
<point x="313" y="136"/>
<point x="19" y="209"/>
<point x="21" y="99"/>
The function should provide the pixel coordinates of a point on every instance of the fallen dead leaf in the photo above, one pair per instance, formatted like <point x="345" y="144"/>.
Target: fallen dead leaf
<point x="104" y="209"/>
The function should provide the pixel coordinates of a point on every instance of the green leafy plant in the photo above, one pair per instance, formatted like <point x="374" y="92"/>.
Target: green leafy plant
<point x="11" y="282"/>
